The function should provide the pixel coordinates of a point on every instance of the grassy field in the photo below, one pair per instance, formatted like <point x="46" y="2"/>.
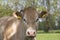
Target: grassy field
<point x="48" y="36"/>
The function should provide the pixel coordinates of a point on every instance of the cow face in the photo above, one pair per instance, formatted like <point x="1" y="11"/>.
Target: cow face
<point x="30" y="18"/>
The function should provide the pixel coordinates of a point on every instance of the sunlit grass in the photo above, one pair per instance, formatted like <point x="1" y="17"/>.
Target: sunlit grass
<point x="48" y="36"/>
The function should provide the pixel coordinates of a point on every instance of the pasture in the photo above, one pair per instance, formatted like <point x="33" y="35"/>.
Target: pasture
<point x="48" y="36"/>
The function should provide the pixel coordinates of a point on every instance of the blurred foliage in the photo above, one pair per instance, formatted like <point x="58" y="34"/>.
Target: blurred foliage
<point x="41" y="8"/>
<point x="5" y="11"/>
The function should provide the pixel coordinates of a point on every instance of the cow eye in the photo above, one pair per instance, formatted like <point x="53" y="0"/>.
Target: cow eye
<point x="36" y="20"/>
<point x="24" y="19"/>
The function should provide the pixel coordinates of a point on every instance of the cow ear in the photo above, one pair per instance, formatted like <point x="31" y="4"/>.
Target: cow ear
<point x="18" y="14"/>
<point x="43" y="14"/>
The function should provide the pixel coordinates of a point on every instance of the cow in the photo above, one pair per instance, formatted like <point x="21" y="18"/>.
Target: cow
<point x="22" y="25"/>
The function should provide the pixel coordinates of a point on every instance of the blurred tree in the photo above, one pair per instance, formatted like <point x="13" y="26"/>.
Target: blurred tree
<point x="5" y="10"/>
<point x="47" y="24"/>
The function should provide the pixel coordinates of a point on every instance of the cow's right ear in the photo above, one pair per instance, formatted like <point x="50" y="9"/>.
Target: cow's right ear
<point x="43" y="14"/>
<point x="18" y="15"/>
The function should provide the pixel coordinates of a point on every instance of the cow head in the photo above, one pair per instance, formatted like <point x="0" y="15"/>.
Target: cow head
<point x="30" y="18"/>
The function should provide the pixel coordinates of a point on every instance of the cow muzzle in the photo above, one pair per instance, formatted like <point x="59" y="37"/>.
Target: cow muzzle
<point x="30" y="32"/>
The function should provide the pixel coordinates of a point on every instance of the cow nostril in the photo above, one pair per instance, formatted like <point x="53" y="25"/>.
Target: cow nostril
<point x="28" y="33"/>
<point x="34" y="33"/>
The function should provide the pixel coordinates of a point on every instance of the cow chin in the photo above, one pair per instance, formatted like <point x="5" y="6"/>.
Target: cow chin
<point x="30" y="37"/>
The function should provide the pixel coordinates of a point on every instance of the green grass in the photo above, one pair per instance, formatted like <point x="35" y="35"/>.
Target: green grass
<point x="48" y="36"/>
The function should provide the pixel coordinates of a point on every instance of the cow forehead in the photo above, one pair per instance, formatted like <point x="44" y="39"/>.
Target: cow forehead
<point x="30" y="13"/>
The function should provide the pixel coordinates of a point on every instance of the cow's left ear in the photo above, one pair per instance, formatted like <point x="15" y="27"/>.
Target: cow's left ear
<point x="18" y="14"/>
<point x="43" y="14"/>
